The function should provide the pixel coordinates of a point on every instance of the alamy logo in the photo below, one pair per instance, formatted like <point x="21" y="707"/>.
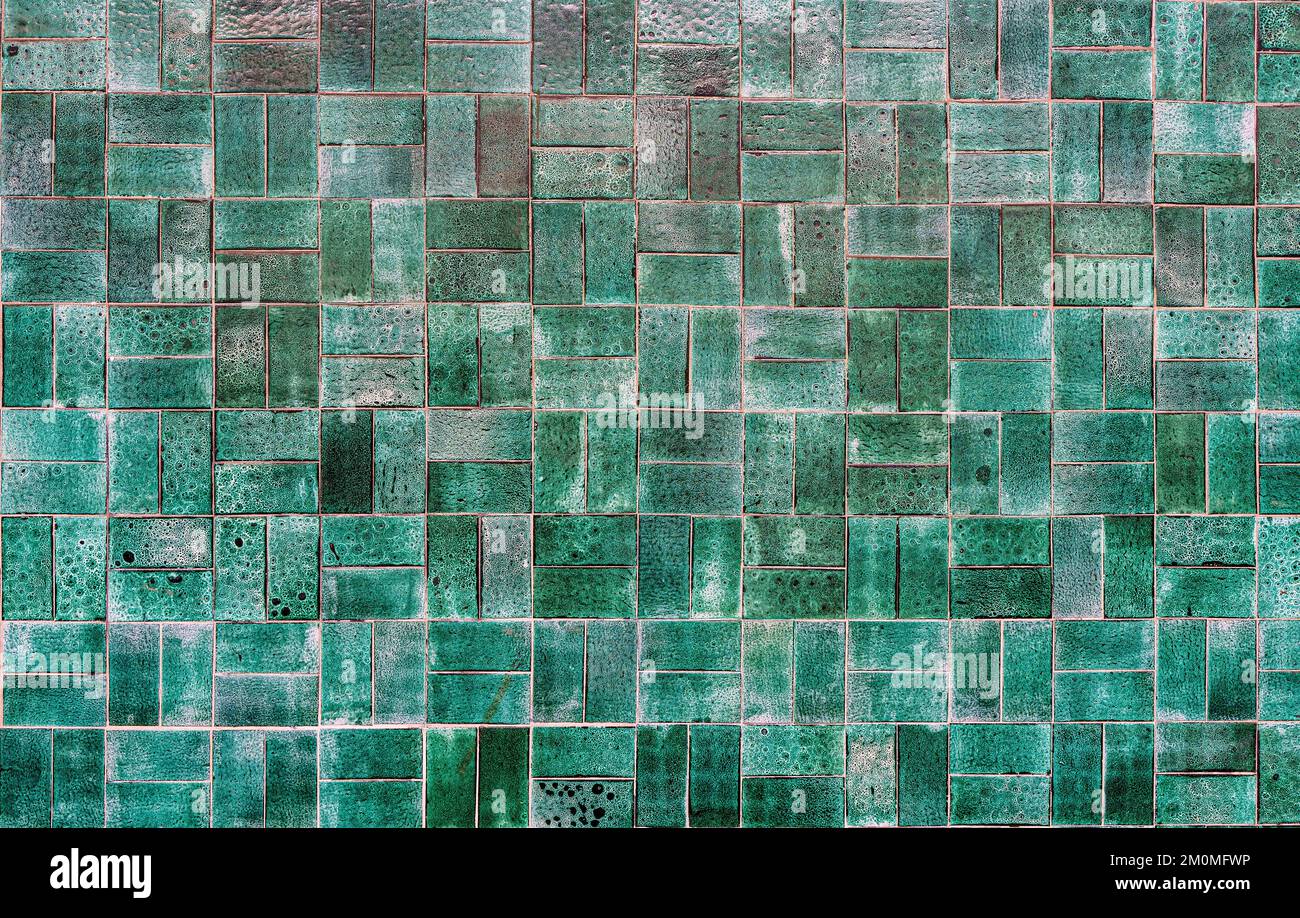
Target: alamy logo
<point x="181" y="279"/>
<point x="103" y="871"/>
<point x="658" y="410"/>
<point x="937" y="670"/>
<point x="1091" y="280"/>
<point x="33" y="670"/>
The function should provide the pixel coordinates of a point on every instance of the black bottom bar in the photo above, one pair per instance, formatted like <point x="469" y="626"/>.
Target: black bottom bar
<point x="995" y="867"/>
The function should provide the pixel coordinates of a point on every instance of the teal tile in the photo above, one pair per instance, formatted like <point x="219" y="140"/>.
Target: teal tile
<point x="839" y="414"/>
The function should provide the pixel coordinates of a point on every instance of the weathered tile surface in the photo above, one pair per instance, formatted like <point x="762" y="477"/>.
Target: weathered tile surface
<point x="659" y="413"/>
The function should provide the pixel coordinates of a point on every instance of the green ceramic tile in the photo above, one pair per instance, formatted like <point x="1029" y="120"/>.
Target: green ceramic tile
<point x="642" y="413"/>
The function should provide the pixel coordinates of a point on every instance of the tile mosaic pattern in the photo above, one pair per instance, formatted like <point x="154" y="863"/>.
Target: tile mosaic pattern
<point x="609" y="413"/>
